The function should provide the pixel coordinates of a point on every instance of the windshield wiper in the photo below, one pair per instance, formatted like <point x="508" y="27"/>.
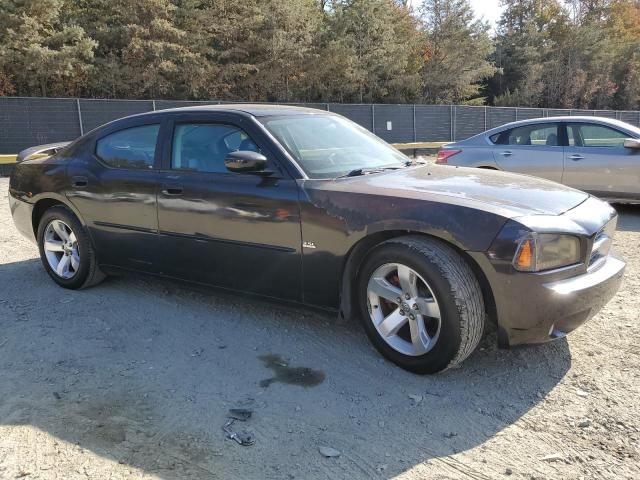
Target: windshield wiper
<point x="364" y="171"/>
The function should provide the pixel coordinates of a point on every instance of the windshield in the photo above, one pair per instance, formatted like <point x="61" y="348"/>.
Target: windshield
<point x="328" y="146"/>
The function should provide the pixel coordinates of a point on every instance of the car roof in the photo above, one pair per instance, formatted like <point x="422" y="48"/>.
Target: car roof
<point x="566" y="118"/>
<point x="257" y="110"/>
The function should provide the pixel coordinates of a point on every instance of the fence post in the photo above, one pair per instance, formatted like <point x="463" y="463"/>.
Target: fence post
<point x="485" y="119"/>
<point x="415" y="132"/>
<point x="516" y="114"/>
<point x="373" y="118"/>
<point x="153" y="102"/>
<point x="452" y="121"/>
<point x="79" y="116"/>
<point x="328" y="109"/>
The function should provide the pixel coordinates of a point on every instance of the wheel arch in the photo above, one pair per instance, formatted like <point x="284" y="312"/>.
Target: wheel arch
<point x="44" y="203"/>
<point x="361" y="250"/>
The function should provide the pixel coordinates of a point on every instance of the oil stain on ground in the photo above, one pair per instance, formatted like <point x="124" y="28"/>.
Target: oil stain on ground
<point x="301" y="376"/>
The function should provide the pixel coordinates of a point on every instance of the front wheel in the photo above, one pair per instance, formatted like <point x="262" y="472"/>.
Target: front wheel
<point x="66" y="250"/>
<point x="420" y="303"/>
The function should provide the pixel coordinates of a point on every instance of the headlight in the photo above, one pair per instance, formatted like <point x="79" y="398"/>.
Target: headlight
<point x="545" y="251"/>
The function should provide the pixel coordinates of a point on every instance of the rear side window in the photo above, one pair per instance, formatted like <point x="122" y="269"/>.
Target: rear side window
<point x="532" y="135"/>
<point x="495" y="138"/>
<point x="133" y="148"/>
<point x="203" y="147"/>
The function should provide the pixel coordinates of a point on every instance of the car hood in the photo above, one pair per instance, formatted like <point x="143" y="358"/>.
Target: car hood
<point x="508" y="194"/>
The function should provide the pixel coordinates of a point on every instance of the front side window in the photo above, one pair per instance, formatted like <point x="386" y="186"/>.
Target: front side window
<point x="532" y="135"/>
<point x="203" y="147"/>
<point x="591" y="135"/>
<point x="133" y="148"/>
<point x="328" y="146"/>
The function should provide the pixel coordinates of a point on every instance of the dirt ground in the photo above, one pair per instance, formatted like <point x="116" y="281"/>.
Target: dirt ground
<point x="133" y="379"/>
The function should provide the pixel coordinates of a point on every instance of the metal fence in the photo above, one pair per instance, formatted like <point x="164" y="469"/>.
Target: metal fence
<point x="25" y="122"/>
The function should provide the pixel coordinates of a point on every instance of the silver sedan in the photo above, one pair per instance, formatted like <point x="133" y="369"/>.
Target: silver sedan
<point x="594" y="154"/>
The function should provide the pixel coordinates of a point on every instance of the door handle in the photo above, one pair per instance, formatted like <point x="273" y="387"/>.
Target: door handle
<point x="172" y="189"/>
<point x="575" y="157"/>
<point x="79" y="182"/>
<point x="506" y="153"/>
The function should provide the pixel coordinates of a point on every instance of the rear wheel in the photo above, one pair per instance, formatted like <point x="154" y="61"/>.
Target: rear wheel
<point x="66" y="251"/>
<point x="421" y="305"/>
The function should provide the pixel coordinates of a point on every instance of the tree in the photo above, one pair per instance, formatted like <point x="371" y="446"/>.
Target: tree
<point x="546" y="53"/>
<point x="141" y="53"/>
<point x="456" y="55"/>
<point x="369" y="52"/>
<point x="522" y="48"/>
<point x="43" y="54"/>
<point x="624" y="26"/>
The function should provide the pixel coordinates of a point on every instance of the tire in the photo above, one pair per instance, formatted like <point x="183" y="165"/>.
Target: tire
<point x="83" y="271"/>
<point x="445" y="286"/>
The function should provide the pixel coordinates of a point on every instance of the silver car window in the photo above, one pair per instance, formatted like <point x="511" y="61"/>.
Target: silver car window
<point x="535" y="135"/>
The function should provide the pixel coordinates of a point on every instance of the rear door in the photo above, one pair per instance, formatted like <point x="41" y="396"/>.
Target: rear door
<point x="234" y="230"/>
<point x="533" y="149"/>
<point x="113" y="185"/>
<point x="596" y="161"/>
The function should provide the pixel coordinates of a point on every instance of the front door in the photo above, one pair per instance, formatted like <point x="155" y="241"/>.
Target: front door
<point x="232" y="230"/>
<point x="596" y="161"/>
<point x="533" y="149"/>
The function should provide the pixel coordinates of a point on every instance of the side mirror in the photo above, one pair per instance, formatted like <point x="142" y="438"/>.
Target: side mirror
<point x="632" y="143"/>
<point x="244" y="161"/>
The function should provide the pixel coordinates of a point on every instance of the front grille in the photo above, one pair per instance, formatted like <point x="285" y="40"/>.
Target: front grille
<point x="602" y="244"/>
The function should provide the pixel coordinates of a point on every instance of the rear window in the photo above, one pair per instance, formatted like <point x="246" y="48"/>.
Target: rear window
<point x="133" y="148"/>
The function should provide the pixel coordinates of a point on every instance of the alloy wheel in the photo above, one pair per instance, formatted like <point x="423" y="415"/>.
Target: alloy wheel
<point x="61" y="249"/>
<point x="403" y="309"/>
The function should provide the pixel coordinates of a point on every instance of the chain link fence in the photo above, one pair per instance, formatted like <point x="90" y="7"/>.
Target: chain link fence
<point x="25" y="122"/>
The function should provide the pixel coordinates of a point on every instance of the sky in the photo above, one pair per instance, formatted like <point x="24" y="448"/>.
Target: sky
<point x="489" y="9"/>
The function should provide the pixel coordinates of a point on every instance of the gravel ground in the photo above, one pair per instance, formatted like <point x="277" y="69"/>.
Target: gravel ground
<point x="133" y="379"/>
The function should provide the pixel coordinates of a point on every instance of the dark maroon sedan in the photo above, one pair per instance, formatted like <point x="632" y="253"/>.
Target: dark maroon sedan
<point x="308" y="207"/>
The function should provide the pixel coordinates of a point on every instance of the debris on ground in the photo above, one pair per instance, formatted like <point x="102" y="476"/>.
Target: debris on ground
<point x="242" y="414"/>
<point x="416" y="399"/>
<point x="554" y="457"/>
<point x="241" y="437"/>
<point x="329" y="452"/>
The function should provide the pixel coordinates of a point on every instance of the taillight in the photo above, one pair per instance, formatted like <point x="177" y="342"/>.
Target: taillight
<point x="444" y="154"/>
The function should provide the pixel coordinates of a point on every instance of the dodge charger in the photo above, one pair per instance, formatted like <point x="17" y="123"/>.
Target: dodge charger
<point x="305" y="206"/>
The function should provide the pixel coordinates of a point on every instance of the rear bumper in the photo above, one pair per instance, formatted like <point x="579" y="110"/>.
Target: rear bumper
<point x="534" y="308"/>
<point x="22" y="213"/>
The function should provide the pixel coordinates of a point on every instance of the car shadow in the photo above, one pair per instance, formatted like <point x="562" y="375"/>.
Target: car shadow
<point x="629" y="218"/>
<point x="142" y="371"/>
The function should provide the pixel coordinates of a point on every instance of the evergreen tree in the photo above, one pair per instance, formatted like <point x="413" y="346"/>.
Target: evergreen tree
<point x="39" y="53"/>
<point x="369" y="52"/>
<point x="456" y="57"/>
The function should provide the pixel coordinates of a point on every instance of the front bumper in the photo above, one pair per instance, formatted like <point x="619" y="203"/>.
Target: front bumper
<point x="538" y="307"/>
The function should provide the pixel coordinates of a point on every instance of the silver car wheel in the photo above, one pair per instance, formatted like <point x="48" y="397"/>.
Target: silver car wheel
<point x="403" y="309"/>
<point x="61" y="249"/>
